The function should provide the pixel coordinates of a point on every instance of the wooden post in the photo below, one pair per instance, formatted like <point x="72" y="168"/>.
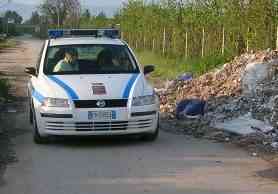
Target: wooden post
<point x="122" y="35"/>
<point x="144" y="42"/>
<point x="164" y="41"/>
<point x="247" y="41"/>
<point x="277" y="39"/>
<point x="186" y="45"/>
<point x="223" y="41"/>
<point x="174" y="41"/>
<point x="186" y="52"/>
<point x="247" y="45"/>
<point x="153" y="47"/>
<point x="203" y="43"/>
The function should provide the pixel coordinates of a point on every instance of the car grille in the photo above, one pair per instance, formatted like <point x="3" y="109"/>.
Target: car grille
<point x="114" y="103"/>
<point x="99" y="126"/>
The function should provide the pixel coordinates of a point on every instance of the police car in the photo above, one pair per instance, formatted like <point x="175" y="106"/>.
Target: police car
<point x="89" y="83"/>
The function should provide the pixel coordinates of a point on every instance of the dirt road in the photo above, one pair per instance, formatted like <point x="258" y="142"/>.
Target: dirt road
<point x="172" y="164"/>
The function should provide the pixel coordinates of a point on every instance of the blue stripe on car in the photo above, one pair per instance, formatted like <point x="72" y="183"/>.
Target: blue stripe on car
<point x="39" y="97"/>
<point x="129" y="85"/>
<point x="71" y="93"/>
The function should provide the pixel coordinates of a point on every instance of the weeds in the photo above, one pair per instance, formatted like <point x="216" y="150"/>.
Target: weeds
<point x="7" y="43"/>
<point x="171" y="67"/>
<point x="4" y="89"/>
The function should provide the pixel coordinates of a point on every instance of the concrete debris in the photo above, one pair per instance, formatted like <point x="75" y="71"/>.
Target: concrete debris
<point x="254" y="154"/>
<point x="241" y="97"/>
<point x="274" y="145"/>
<point x="244" y="125"/>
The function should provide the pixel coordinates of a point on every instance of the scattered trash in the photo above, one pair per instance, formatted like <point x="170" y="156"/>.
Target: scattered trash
<point x="185" y="77"/>
<point x="241" y="98"/>
<point x="244" y="125"/>
<point x="11" y="111"/>
<point x="227" y="139"/>
<point x="191" y="108"/>
<point x="254" y="154"/>
<point x="274" y="145"/>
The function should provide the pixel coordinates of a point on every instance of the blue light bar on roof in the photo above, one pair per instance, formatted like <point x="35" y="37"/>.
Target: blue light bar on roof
<point x="102" y="32"/>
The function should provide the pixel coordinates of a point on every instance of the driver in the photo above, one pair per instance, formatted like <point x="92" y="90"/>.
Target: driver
<point x="69" y="63"/>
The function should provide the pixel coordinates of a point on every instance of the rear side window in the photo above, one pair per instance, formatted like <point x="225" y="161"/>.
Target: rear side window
<point x="89" y="59"/>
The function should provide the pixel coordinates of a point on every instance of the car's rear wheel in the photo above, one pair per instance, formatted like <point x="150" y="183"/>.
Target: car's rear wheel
<point x="37" y="138"/>
<point x="30" y="113"/>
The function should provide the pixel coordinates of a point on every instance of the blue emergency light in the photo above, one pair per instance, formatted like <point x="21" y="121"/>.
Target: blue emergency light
<point x="98" y="33"/>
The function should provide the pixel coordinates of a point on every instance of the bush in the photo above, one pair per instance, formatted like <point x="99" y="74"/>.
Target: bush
<point x="4" y="89"/>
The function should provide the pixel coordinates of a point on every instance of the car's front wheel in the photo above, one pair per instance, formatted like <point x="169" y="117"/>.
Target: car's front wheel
<point x="151" y="136"/>
<point x="37" y="138"/>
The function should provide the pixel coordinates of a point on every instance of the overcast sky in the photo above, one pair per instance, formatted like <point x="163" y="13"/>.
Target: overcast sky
<point x="96" y="2"/>
<point x="26" y="7"/>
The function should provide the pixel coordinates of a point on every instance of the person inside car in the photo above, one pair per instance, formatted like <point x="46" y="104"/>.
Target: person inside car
<point x="69" y="63"/>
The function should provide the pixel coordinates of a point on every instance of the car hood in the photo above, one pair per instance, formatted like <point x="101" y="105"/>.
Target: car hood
<point x="80" y="87"/>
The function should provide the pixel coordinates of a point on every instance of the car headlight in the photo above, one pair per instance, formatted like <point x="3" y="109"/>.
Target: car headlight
<point x="56" y="102"/>
<point x="144" y="100"/>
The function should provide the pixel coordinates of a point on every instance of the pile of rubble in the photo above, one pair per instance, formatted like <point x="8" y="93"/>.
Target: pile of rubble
<point x="245" y="87"/>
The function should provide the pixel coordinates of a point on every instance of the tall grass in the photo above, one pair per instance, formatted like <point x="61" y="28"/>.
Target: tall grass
<point x="4" y="89"/>
<point x="171" y="67"/>
<point x="7" y="43"/>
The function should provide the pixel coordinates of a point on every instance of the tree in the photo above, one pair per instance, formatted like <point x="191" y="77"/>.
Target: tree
<point x="14" y="16"/>
<point x="86" y="14"/>
<point x="244" y="22"/>
<point x="62" y="12"/>
<point x="34" y="19"/>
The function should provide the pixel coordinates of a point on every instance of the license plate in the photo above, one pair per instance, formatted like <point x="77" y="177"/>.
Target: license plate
<point x="102" y="115"/>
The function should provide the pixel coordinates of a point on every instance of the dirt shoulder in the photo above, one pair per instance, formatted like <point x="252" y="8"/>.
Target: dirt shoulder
<point x="13" y="61"/>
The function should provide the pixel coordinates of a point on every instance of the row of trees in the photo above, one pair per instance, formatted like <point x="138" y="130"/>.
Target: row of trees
<point x="62" y="15"/>
<point x="240" y="24"/>
<point x="57" y="13"/>
<point x="178" y="27"/>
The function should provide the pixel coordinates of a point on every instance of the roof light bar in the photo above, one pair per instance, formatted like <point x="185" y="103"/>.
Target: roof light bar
<point x="98" y="33"/>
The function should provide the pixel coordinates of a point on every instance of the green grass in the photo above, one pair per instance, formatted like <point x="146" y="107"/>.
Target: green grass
<point x="7" y="43"/>
<point x="4" y="83"/>
<point x="4" y="89"/>
<point x="170" y="67"/>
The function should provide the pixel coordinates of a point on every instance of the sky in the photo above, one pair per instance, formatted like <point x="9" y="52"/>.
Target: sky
<point x="26" y="7"/>
<point x="96" y="2"/>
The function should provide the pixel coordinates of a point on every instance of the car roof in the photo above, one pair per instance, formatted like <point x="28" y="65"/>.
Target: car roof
<point x="84" y="40"/>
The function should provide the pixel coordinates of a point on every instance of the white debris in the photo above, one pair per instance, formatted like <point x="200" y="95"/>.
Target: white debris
<point x="274" y="145"/>
<point x="244" y="125"/>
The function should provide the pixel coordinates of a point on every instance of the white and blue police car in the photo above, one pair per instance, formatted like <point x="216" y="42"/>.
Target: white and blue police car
<point x="89" y="83"/>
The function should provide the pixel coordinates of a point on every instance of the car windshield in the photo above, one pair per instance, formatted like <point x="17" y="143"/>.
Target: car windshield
<point x="89" y="59"/>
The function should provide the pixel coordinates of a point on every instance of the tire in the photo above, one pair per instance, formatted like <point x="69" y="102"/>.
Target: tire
<point x="37" y="138"/>
<point x="30" y="114"/>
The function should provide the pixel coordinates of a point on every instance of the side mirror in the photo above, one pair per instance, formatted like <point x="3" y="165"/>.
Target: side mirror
<point x="31" y="71"/>
<point x="148" y="69"/>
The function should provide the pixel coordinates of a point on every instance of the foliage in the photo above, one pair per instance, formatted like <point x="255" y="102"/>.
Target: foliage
<point x="7" y="43"/>
<point x="34" y="19"/>
<point x="244" y="22"/>
<point x="95" y="21"/>
<point x="4" y="89"/>
<point x="14" y="16"/>
<point x="61" y="13"/>
<point x="170" y="67"/>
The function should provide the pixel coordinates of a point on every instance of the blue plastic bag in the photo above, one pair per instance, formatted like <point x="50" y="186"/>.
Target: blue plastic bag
<point x="185" y="77"/>
<point x="191" y="108"/>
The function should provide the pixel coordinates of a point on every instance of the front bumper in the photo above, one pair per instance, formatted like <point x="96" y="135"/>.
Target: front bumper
<point x="135" y="121"/>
